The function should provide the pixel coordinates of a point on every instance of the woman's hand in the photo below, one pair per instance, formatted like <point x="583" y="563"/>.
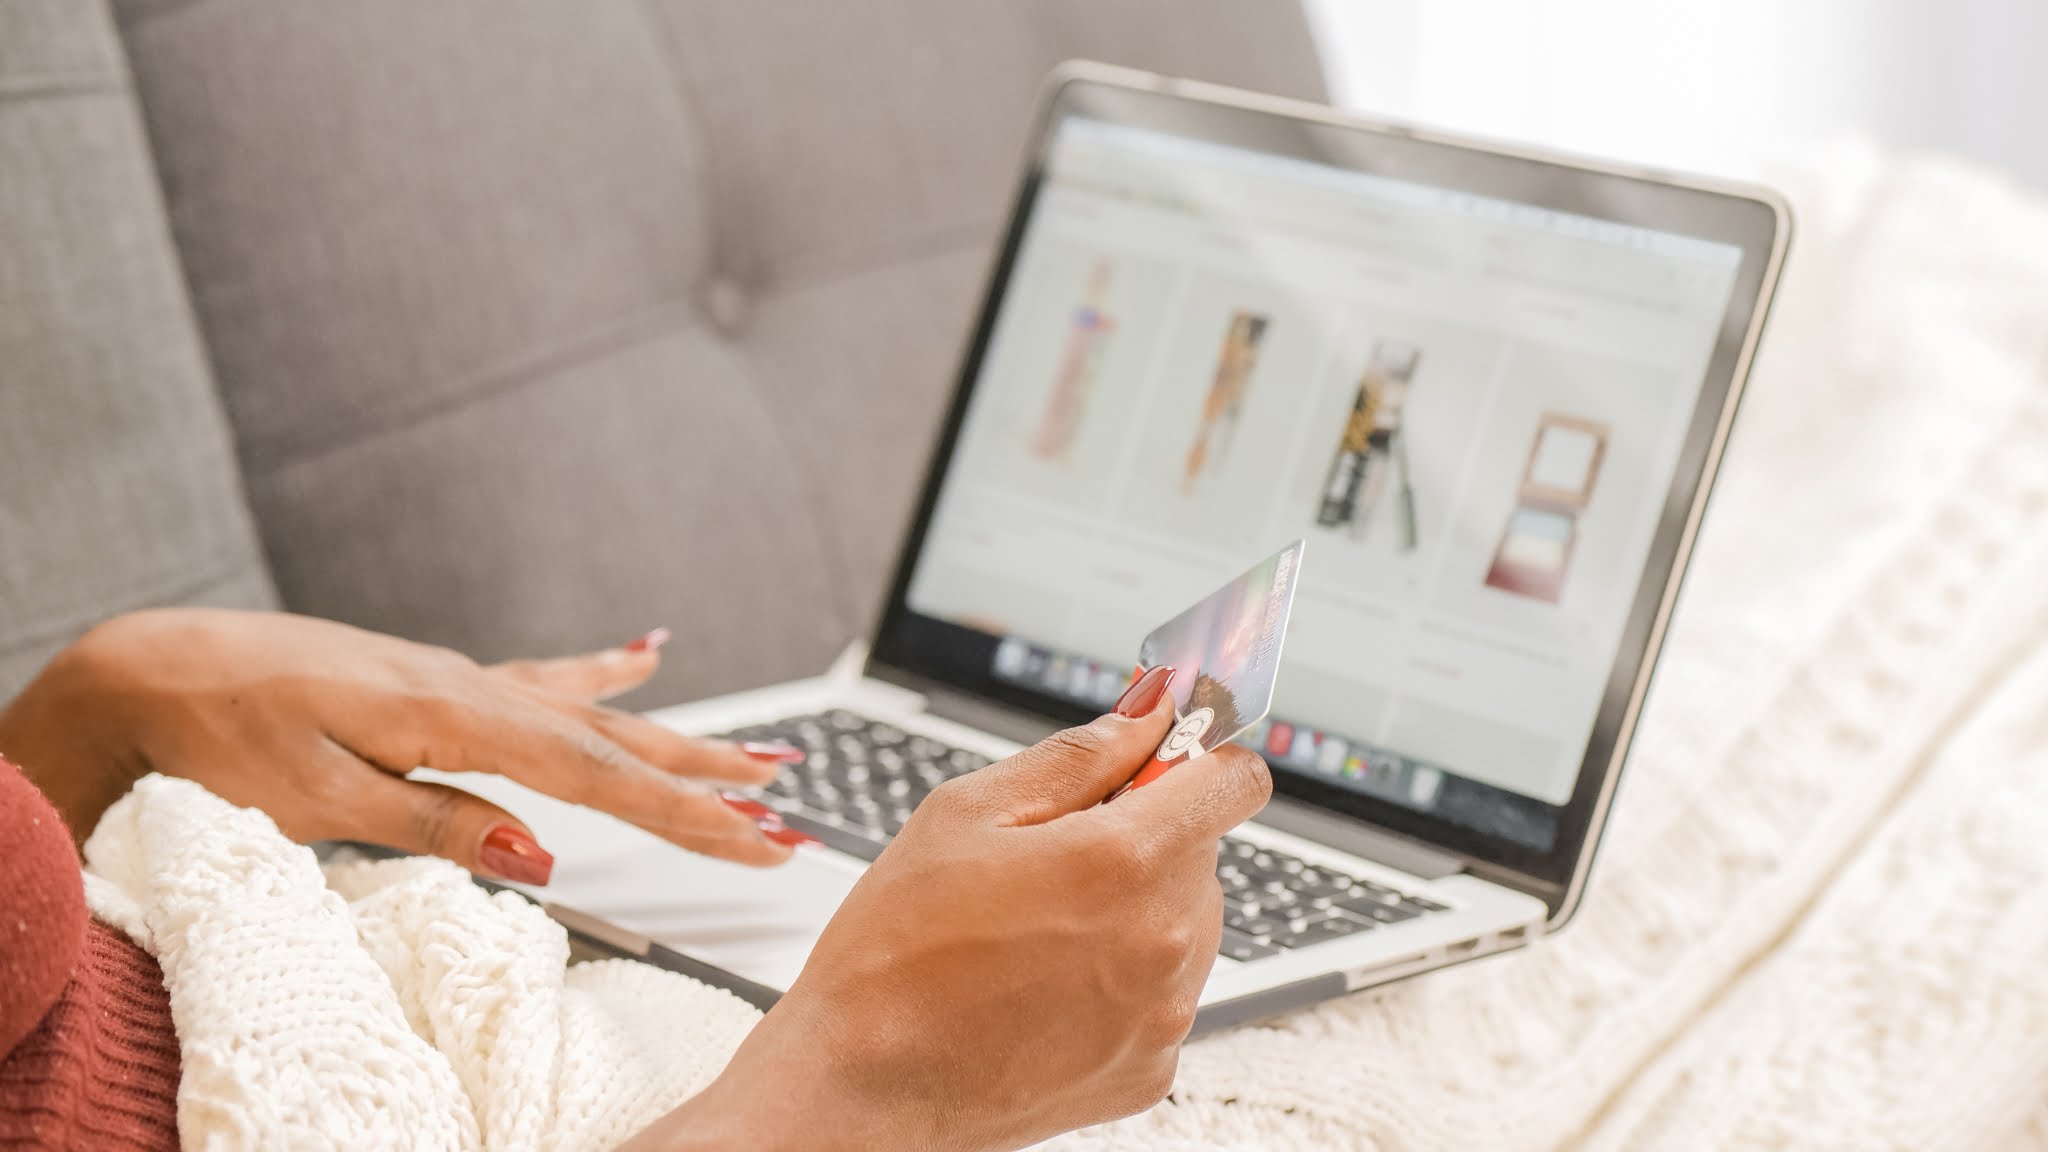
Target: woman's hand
<point x="317" y="724"/>
<point x="1022" y="960"/>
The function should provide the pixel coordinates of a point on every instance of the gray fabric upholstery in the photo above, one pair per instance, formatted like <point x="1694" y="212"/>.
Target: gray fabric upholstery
<point x="117" y="480"/>
<point x="539" y="324"/>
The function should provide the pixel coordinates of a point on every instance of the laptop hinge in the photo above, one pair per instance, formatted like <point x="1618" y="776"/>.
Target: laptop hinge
<point x="1347" y="835"/>
<point x="1310" y="823"/>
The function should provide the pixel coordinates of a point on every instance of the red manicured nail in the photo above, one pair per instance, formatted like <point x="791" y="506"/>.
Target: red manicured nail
<point x="1144" y="693"/>
<point x="789" y="836"/>
<point x="774" y="750"/>
<point x="510" y="853"/>
<point x="749" y="807"/>
<point x="651" y="642"/>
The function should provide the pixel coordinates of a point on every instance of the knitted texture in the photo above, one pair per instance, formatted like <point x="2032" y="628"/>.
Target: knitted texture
<point x="403" y="1007"/>
<point x="87" y="1055"/>
<point x="42" y="915"/>
<point x="102" y="1070"/>
<point x="1907" y="1010"/>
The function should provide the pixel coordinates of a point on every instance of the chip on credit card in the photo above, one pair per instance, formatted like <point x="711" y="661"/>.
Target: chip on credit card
<point x="1226" y="655"/>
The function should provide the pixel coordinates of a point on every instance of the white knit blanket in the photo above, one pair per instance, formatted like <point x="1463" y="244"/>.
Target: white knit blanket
<point x="1818" y="921"/>
<point x="386" y="1005"/>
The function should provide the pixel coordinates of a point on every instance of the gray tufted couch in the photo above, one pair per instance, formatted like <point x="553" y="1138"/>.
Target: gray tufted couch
<point x="515" y="325"/>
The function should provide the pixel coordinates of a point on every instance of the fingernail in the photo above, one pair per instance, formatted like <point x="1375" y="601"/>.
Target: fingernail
<point x="509" y="853"/>
<point x="774" y="750"/>
<point x="651" y="642"/>
<point x="1144" y="693"/>
<point x="748" y="806"/>
<point x="789" y="836"/>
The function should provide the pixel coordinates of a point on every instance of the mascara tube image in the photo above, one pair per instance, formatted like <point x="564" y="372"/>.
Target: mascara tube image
<point x="1088" y="331"/>
<point x="1372" y="447"/>
<point x="1224" y="403"/>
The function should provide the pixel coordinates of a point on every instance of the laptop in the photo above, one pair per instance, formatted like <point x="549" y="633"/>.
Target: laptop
<point x="1489" y="387"/>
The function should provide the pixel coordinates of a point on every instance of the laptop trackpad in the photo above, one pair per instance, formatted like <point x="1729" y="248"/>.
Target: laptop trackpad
<point x="753" y="922"/>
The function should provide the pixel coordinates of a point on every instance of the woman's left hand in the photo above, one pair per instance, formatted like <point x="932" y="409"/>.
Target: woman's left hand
<point x="318" y="724"/>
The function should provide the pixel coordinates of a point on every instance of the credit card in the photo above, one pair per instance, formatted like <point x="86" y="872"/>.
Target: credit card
<point x="1226" y="654"/>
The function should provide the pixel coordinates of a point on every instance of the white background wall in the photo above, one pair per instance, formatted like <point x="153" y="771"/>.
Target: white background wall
<point x="1712" y="85"/>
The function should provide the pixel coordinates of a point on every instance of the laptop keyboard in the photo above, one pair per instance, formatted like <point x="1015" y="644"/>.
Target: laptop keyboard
<point x="861" y="779"/>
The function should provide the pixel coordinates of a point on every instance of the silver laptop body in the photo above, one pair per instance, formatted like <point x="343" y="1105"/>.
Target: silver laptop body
<point x="1489" y="386"/>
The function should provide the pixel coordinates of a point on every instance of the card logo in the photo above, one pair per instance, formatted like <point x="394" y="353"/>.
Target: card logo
<point x="1186" y="735"/>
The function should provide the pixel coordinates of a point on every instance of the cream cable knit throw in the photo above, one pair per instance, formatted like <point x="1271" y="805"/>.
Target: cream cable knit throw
<point x="387" y="1005"/>
<point x="1817" y="921"/>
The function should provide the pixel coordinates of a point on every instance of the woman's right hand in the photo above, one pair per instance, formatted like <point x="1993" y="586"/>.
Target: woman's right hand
<point x="1021" y="961"/>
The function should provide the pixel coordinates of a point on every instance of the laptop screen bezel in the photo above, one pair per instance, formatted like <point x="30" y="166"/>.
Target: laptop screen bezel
<point x="921" y="649"/>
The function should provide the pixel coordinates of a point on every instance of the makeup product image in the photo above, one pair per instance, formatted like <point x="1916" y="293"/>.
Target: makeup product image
<point x="1372" y="448"/>
<point x="1535" y="550"/>
<point x="1224" y="402"/>
<point x="1088" y="332"/>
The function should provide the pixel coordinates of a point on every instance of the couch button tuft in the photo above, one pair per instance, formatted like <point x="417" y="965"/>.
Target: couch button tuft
<point x="727" y="304"/>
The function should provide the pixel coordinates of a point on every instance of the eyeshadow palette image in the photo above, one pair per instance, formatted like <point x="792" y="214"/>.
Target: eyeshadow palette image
<point x="1535" y="551"/>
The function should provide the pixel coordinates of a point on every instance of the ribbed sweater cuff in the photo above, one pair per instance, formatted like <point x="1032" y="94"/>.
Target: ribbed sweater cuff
<point x="101" y="1071"/>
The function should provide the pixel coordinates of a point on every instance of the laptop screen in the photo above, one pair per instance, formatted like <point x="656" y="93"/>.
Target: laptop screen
<point x="1472" y="408"/>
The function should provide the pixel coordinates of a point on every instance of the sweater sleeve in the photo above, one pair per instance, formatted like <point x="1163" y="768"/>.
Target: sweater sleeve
<point x="42" y="908"/>
<point x="88" y="1054"/>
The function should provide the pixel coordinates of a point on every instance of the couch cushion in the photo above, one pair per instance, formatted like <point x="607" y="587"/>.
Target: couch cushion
<point x="117" y="478"/>
<point x="542" y="324"/>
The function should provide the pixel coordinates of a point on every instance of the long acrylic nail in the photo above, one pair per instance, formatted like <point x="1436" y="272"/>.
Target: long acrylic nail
<point x="1144" y="693"/>
<point x="774" y="750"/>
<point x="651" y="642"/>
<point x="749" y="807"/>
<point x="785" y="835"/>
<point x="509" y="853"/>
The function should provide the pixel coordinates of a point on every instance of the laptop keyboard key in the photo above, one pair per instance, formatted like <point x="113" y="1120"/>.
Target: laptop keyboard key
<point x="1256" y="925"/>
<point x="860" y="845"/>
<point x="1320" y="885"/>
<point x="1371" y="909"/>
<point x="1329" y="928"/>
<point x="1238" y="946"/>
<point x="1279" y="898"/>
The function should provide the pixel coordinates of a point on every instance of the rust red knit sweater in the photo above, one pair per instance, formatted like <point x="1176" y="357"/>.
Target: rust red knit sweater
<point x="88" y="1057"/>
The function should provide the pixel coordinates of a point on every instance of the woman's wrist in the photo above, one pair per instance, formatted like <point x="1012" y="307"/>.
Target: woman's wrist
<point x="765" y="1117"/>
<point x="722" y="1119"/>
<point x="783" y="1090"/>
<point x="62" y="731"/>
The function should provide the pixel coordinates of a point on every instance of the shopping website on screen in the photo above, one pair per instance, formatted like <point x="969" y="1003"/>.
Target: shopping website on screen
<point x="1471" y="409"/>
